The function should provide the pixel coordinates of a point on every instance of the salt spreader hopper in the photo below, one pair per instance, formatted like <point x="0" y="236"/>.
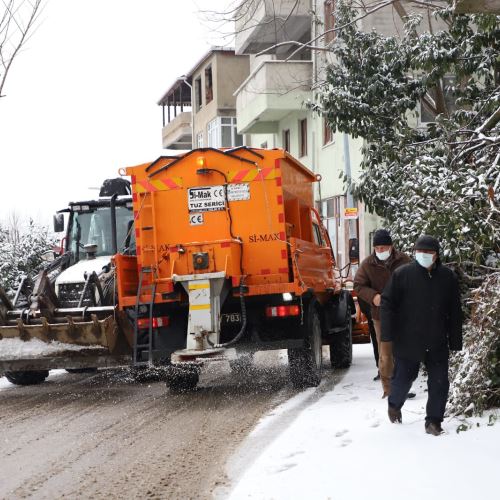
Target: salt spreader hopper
<point x="231" y="253"/>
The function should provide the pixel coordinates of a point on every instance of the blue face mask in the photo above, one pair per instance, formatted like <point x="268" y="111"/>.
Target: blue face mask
<point x="424" y="259"/>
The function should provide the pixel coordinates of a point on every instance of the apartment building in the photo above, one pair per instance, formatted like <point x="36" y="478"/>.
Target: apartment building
<point x="199" y="108"/>
<point x="271" y="105"/>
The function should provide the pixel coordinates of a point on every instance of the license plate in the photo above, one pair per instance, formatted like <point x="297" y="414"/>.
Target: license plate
<point x="231" y="318"/>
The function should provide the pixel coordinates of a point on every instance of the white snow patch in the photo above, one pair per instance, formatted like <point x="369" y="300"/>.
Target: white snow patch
<point x="18" y="349"/>
<point x="344" y="447"/>
<point x="5" y="384"/>
<point x="75" y="274"/>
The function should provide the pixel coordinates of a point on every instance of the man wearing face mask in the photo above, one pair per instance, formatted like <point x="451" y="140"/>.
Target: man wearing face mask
<point x="422" y="317"/>
<point x="371" y="278"/>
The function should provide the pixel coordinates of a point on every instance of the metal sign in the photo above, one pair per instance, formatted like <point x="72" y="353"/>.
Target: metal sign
<point x="238" y="192"/>
<point x="196" y="219"/>
<point x="206" y="199"/>
<point x="350" y="213"/>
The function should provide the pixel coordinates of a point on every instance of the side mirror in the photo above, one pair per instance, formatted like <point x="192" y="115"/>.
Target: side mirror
<point x="58" y="223"/>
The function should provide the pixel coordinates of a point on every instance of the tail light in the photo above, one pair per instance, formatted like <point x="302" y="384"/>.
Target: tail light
<point x="282" y="311"/>
<point x="158" y="322"/>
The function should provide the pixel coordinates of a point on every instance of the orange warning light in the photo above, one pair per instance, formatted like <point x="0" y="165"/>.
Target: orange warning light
<point x="201" y="162"/>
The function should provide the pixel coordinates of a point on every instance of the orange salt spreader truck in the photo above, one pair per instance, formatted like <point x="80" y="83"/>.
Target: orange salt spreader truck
<point x="231" y="253"/>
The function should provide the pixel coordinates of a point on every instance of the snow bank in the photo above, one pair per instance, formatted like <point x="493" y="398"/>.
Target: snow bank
<point x="344" y="447"/>
<point x="18" y="349"/>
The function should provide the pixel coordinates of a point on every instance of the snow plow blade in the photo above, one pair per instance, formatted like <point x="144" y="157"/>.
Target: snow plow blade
<point x="73" y="326"/>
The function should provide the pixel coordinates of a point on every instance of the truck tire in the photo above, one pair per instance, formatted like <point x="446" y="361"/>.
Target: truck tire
<point x="182" y="379"/>
<point x="341" y="345"/>
<point x="305" y="364"/>
<point x="27" y="377"/>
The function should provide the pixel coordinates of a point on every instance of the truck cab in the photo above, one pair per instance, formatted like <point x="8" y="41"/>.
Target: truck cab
<point x="96" y="230"/>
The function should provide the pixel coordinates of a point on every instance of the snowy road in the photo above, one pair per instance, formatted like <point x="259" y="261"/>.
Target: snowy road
<point x="104" y="436"/>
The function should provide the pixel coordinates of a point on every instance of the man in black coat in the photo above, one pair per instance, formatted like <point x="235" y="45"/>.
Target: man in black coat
<point x="422" y="316"/>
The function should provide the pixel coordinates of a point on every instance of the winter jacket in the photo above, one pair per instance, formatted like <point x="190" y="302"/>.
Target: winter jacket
<point x="421" y="312"/>
<point x="373" y="274"/>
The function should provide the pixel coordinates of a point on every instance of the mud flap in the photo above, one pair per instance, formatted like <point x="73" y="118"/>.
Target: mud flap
<point x="335" y="312"/>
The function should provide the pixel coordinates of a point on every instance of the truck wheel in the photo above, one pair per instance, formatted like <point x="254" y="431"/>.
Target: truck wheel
<point x="182" y="379"/>
<point x="305" y="363"/>
<point x="341" y="345"/>
<point x="27" y="377"/>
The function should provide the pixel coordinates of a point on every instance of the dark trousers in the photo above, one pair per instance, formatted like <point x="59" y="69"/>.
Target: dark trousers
<point x="367" y="311"/>
<point x="405" y="373"/>
<point x="373" y="337"/>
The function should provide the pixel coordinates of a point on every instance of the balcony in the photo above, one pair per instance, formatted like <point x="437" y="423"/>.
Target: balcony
<point x="476" y="6"/>
<point x="273" y="90"/>
<point x="177" y="134"/>
<point x="262" y="24"/>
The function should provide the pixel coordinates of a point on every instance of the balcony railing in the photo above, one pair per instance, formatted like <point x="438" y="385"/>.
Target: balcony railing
<point x="177" y="134"/>
<point x="273" y="90"/>
<point x="262" y="23"/>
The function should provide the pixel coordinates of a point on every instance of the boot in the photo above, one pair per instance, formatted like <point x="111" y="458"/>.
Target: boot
<point x="394" y="415"/>
<point x="433" y="428"/>
<point x="377" y="377"/>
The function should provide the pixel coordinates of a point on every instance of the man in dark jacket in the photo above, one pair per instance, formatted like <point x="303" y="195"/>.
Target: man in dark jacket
<point x="421" y="315"/>
<point x="371" y="278"/>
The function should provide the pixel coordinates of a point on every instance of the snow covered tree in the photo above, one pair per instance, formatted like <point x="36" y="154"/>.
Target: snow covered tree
<point x="21" y="253"/>
<point x="440" y="178"/>
<point x="475" y="374"/>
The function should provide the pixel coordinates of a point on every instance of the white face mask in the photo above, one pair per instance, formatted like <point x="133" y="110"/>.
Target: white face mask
<point x="424" y="259"/>
<point x="383" y="255"/>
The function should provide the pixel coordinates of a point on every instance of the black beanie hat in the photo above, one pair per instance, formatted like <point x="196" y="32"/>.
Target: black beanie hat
<point x="427" y="242"/>
<point x="382" y="237"/>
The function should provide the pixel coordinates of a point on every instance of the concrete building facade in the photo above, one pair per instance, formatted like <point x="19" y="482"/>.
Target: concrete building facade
<point x="199" y="109"/>
<point x="257" y="95"/>
<point x="271" y="106"/>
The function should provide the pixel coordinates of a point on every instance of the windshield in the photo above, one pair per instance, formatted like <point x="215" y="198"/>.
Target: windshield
<point x="94" y="227"/>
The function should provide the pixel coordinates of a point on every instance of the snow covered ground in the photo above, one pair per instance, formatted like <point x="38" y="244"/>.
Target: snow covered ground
<point x="343" y="447"/>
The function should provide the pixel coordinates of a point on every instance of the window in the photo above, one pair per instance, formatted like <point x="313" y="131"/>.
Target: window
<point x="286" y="140"/>
<point x="303" y="137"/>
<point x="212" y="132"/>
<point x="331" y="216"/>
<point x="209" y="93"/>
<point x="329" y="10"/>
<point x="93" y="227"/>
<point x="197" y="92"/>
<point x="199" y="140"/>
<point x="221" y="133"/>
<point x="327" y="133"/>
<point x="317" y="236"/>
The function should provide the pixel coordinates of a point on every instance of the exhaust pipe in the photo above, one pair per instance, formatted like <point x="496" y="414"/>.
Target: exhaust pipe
<point x="112" y="209"/>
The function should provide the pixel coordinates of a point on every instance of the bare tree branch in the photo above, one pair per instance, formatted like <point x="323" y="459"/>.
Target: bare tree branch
<point x="17" y="22"/>
<point x="490" y="122"/>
